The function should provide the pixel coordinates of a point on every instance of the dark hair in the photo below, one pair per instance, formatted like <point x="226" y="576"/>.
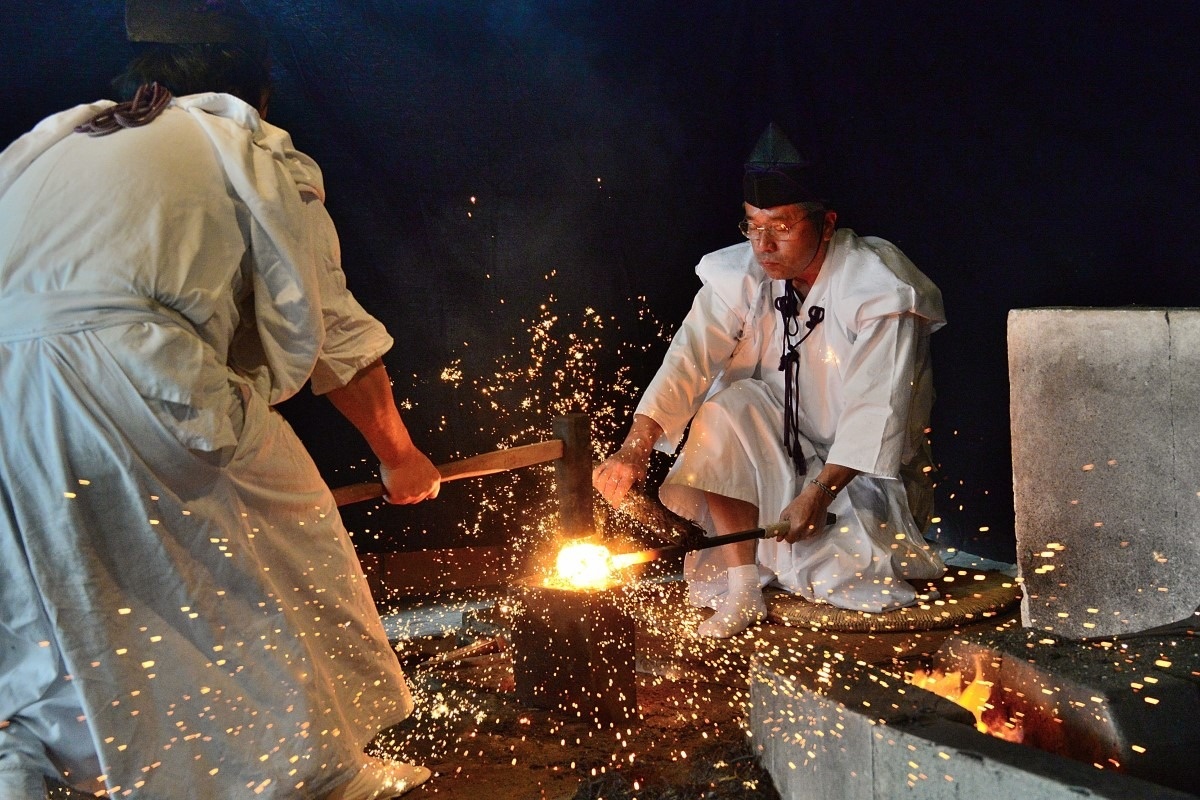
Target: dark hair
<point x="195" y="68"/>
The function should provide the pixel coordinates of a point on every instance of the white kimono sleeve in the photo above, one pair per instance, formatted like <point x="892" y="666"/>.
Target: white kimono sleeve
<point x="353" y="338"/>
<point x="873" y="428"/>
<point x="699" y="352"/>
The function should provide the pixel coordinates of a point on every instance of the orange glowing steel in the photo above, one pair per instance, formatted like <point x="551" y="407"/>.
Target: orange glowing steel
<point x="584" y="565"/>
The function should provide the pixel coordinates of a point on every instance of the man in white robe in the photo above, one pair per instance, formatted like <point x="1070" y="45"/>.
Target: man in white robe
<point x="841" y="432"/>
<point x="182" y="613"/>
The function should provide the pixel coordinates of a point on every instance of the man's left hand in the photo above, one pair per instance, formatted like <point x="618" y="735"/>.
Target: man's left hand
<point x="805" y="515"/>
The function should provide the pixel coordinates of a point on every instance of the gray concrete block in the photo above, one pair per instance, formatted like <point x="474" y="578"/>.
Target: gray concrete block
<point x="1105" y="415"/>
<point x="810" y="744"/>
<point x="1130" y="707"/>
<point x="940" y="760"/>
<point x="852" y="732"/>
<point x="1185" y="400"/>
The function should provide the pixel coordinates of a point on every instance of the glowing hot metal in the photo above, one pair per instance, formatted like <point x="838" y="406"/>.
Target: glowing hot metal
<point x="585" y="565"/>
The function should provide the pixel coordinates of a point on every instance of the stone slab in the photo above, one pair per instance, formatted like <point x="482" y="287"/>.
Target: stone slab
<point x="809" y="744"/>
<point x="1105" y="417"/>
<point x="850" y="732"/>
<point x="1129" y="706"/>
<point x="939" y="760"/>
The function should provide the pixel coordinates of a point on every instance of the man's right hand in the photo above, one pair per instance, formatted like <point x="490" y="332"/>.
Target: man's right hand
<point x="627" y="467"/>
<point x="412" y="480"/>
<point x="614" y="476"/>
<point x="407" y="474"/>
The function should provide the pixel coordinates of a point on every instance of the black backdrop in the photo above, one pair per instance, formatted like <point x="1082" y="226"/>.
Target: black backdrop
<point x="502" y="168"/>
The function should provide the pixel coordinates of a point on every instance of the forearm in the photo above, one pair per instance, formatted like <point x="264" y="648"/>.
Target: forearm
<point x="835" y="477"/>
<point x="643" y="433"/>
<point x="367" y="402"/>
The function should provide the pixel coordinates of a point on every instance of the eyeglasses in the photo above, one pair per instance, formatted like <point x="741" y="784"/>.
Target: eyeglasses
<point x="777" y="230"/>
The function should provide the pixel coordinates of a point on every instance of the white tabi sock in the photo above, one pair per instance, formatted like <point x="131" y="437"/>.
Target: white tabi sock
<point x="742" y="606"/>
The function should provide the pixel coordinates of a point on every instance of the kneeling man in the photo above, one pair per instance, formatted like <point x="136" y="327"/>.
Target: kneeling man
<point x="803" y="372"/>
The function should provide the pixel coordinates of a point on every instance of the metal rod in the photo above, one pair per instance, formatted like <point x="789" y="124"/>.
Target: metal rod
<point x="716" y="541"/>
<point x="642" y="556"/>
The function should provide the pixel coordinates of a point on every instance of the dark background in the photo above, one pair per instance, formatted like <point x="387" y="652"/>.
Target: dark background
<point x="508" y="175"/>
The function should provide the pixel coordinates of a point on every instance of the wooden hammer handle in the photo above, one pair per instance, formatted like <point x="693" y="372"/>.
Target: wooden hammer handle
<point x="484" y="464"/>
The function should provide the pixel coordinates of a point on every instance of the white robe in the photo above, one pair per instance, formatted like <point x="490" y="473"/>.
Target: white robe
<point x="182" y="614"/>
<point x="865" y="395"/>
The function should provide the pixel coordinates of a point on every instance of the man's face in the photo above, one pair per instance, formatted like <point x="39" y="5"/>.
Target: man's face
<point x="800" y="255"/>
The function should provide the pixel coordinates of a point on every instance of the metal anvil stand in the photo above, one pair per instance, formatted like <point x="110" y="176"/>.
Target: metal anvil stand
<point x="573" y="650"/>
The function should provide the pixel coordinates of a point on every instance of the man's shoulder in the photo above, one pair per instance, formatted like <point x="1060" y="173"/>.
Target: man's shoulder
<point x="737" y="259"/>
<point x="868" y="248"/>
<point x="231" y="123"/>
<point x="873" y="272"/>
<point x="873" y="255"/>
<point x="733" y="273"/>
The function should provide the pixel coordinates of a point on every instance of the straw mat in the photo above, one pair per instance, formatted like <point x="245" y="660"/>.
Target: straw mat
<point x="962" y="596"/>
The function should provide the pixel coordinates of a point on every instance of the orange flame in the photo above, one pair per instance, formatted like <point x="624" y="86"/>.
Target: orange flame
<point x="975" y="696"/>
<point x="586" y="565"/>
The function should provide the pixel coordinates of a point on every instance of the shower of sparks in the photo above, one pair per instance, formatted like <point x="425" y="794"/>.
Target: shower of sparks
<point x="561" y="361"/>
<point x="463" y="728"/>
<point x="465" y="716"/>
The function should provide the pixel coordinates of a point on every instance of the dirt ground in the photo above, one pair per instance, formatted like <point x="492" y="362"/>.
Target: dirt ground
<point x="688" y="739"/>
<point x="687" y="742"/>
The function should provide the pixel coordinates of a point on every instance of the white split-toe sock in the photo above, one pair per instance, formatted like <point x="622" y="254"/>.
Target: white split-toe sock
<point x="380" y="778"/>
<point x="742" y="606"/>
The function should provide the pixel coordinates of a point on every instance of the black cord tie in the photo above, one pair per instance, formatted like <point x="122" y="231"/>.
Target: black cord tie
<point x="788" y="306"/>
<point x="147" y="103"/>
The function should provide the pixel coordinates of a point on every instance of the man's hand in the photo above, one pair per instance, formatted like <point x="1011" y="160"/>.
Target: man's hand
<point x="806" y="514"/>
<point x="407" y="474"/>
<point x="412" y="480"/>
<point x="618" y="473"/>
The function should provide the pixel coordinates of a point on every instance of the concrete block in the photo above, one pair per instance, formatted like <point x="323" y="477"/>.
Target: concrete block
<point x="1129" y="707"/>
<point x="810" y="744"/>
<point x="942" y="760"/>
<point x="850" y="732"/>
<point x="1185" y="399"/>
<point x="1105" y="415"/>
